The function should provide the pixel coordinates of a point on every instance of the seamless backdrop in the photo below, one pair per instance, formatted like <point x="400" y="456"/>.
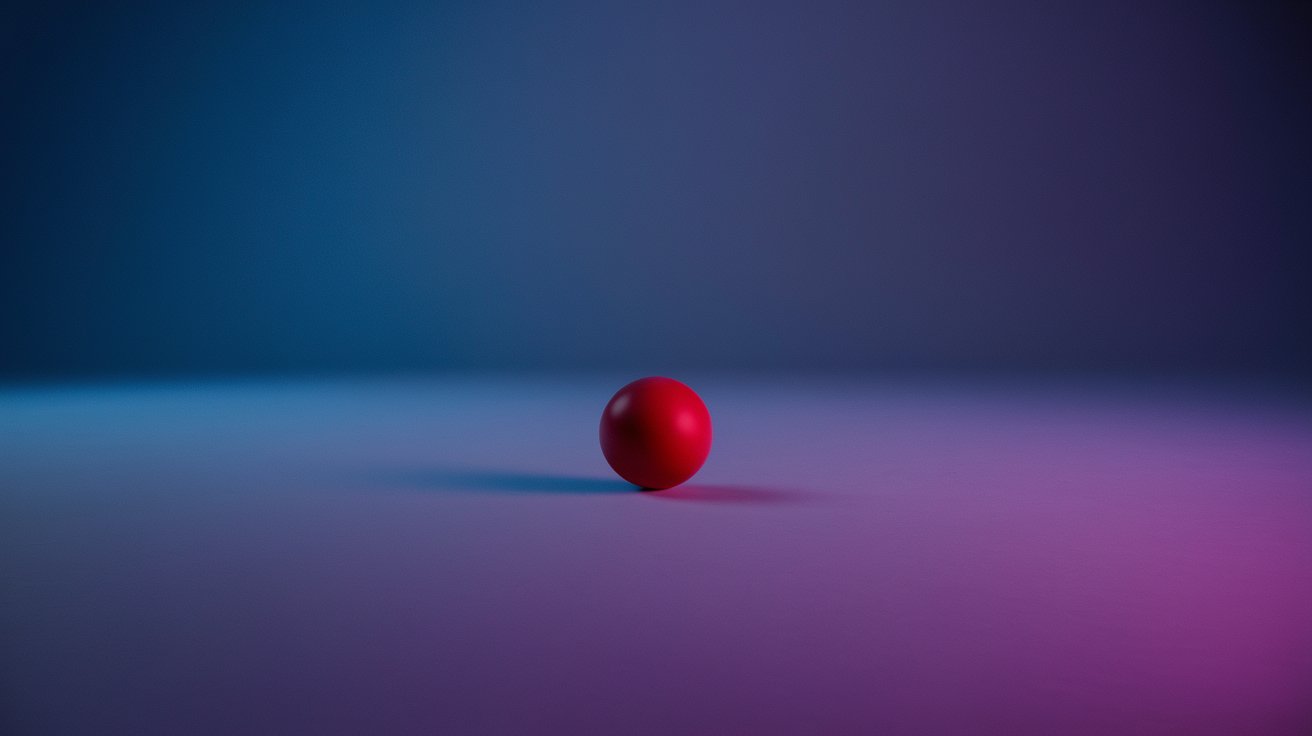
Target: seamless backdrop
<point x="263" y="187"/>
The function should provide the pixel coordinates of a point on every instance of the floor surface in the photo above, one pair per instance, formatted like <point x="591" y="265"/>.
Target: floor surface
<point x="454" y="557"/>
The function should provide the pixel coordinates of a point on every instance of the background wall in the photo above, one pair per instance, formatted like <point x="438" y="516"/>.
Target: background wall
<point x="1102" y="186"/>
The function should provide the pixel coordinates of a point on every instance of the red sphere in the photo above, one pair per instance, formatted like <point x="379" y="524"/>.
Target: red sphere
<point x="656" y="433"/>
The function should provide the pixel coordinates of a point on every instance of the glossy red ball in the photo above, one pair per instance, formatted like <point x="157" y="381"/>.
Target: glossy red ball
<point x="656" y="433"/>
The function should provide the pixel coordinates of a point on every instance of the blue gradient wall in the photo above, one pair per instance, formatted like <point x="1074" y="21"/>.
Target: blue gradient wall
<point x="264" y="187"/>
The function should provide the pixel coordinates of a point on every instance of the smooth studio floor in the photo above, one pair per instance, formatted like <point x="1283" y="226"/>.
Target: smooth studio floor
<point x="454" y="557"/>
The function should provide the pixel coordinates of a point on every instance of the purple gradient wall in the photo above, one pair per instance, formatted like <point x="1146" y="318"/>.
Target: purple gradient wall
<point x="251" y="187"/>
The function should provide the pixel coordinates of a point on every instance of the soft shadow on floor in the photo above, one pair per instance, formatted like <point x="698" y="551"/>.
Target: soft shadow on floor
<point x="712" y="493"/>
<point x="499" y="481"/>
